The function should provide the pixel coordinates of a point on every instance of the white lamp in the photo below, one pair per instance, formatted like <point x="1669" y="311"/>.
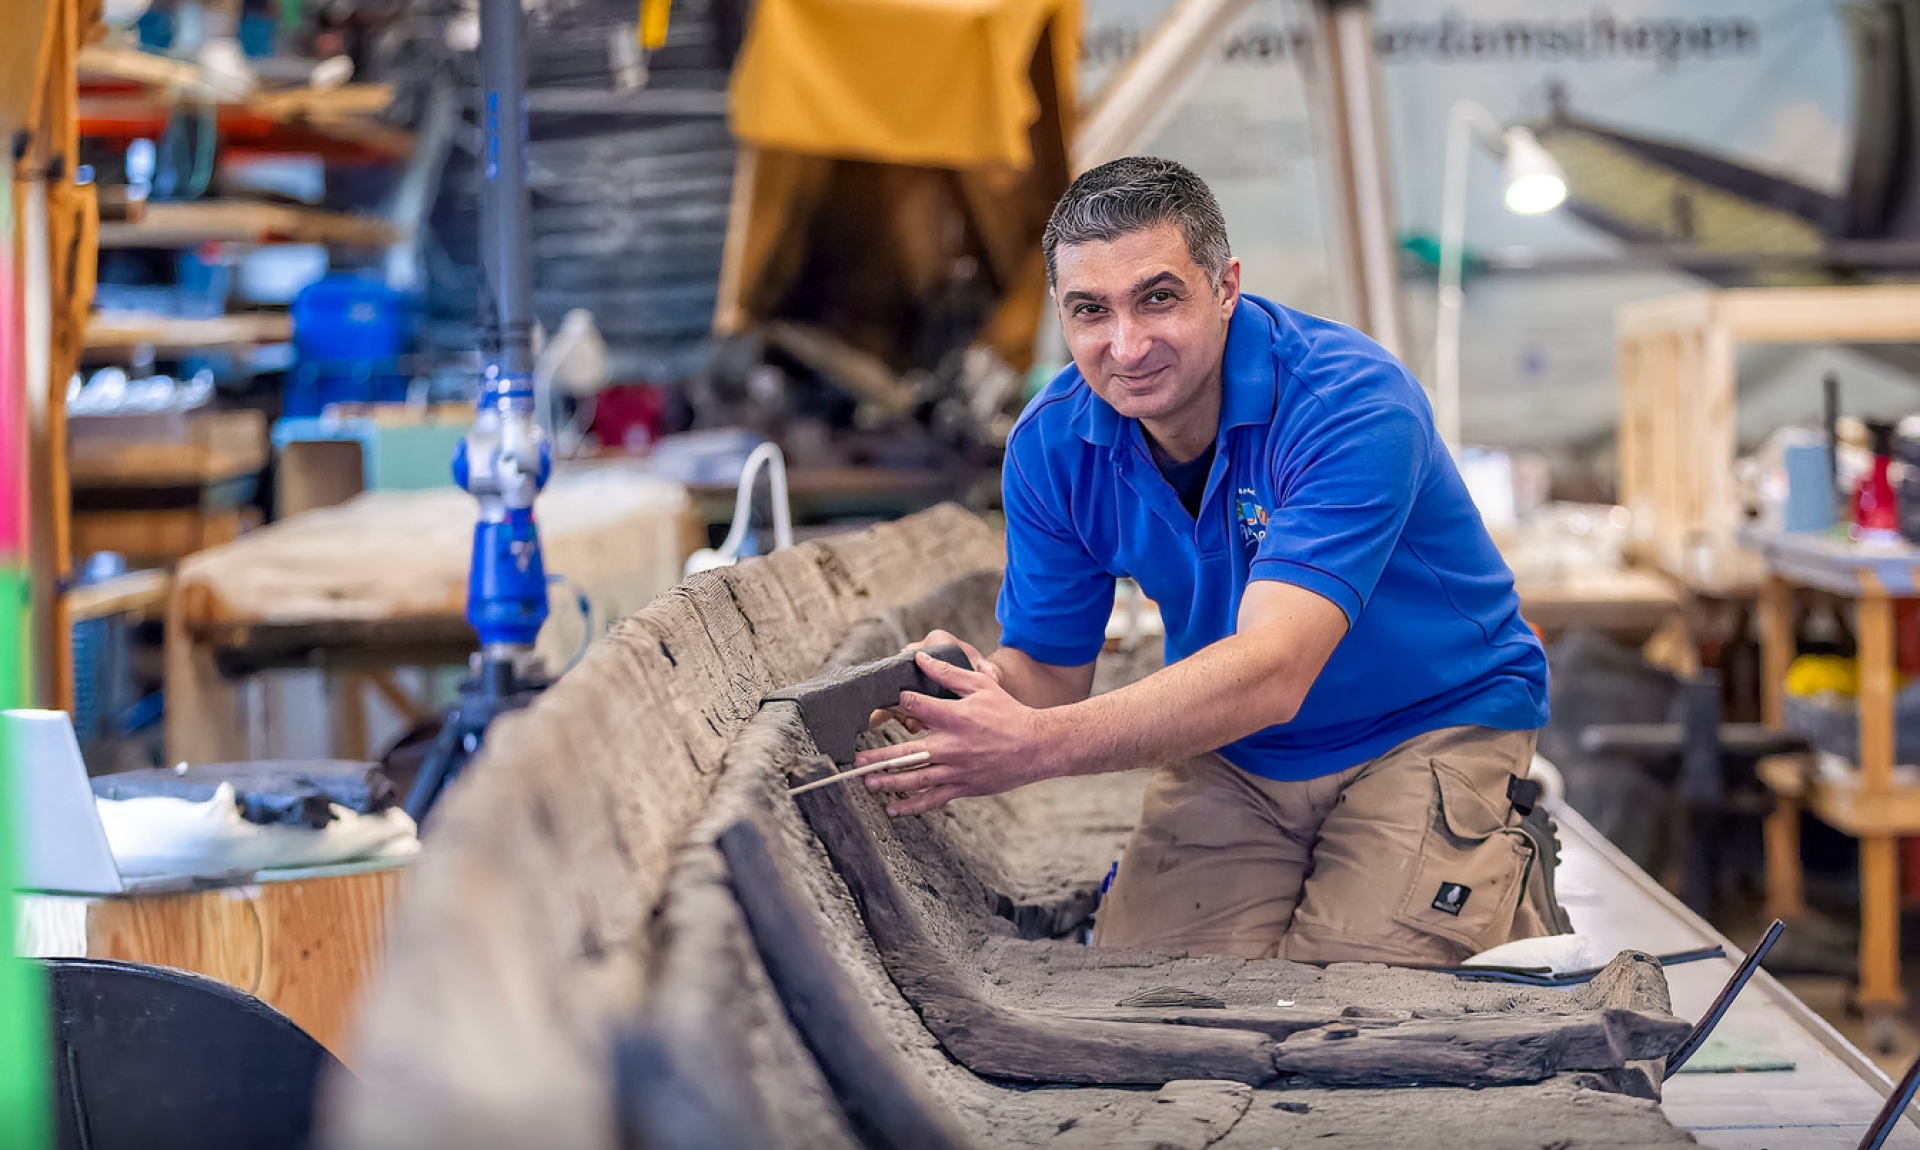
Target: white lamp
<point x="1535" y="183"/>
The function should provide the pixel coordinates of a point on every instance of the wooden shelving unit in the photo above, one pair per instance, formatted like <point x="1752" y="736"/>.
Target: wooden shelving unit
<point x="167" y="225"/>
<point x="1866" y="803"/>
<point x="134" y="329"/>
<point x="126" y="92"/>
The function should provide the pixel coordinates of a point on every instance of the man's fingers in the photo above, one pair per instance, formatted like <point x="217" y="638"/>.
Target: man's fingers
<point x="907" y="782"/>
<point x="933" y="639"/>
<point x="920" y="804"/>
<point x="959" y="680"/>
<point x="880" y="717"/>
<point x="980" y="662"/>
<point x="923" y="709"/>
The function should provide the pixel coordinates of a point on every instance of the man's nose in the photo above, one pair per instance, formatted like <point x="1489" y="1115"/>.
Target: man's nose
<point x="1131" y="342"/>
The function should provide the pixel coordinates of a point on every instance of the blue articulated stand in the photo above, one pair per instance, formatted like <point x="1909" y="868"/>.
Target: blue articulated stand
<point x="505" y="460"/>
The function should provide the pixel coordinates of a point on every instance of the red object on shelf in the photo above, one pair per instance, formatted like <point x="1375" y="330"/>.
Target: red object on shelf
<point x="1876" y="507"/>
<point x="630" y="417"/>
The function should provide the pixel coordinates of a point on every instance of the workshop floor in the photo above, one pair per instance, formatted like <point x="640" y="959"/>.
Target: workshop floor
<point x="1827" y="996"/>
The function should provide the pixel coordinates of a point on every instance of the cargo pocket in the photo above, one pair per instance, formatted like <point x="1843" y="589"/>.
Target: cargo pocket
<point x="1472" y="867"/>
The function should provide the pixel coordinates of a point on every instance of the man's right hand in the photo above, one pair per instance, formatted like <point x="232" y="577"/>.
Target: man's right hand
<point x="935" y="639"/>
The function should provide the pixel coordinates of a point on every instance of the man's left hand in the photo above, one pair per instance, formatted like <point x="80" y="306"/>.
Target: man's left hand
<point x="982" y="743"/>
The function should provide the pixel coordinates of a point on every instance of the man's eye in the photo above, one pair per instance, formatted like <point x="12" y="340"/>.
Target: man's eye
<point x="1161" y="296"/>
<point x="1087" y="309"/>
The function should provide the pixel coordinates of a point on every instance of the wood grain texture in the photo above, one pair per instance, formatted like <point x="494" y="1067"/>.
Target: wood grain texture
<point x="525" y="940"/>
<point x="387" y="559"/>
<point x="306" y="947"/>
<point x="186" y="451"/>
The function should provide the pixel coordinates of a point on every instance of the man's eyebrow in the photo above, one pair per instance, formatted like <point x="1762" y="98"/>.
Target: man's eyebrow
<point x="1087" y="296"/>
<point x="1155" y="281"/>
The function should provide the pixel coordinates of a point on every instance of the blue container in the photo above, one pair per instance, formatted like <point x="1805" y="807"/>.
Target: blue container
<point x="1810" y="495"/>
<point x="349" y="317"/>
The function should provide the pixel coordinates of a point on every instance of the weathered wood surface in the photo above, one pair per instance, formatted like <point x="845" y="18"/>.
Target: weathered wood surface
<point x="1002" y="1041"/>
<point x="573" y="915"/>
<point x="1113" y="1048"/>
<point x="1182" y="1116"/>
<point x="711" y="1062"/>
<point x="523" y="940"/>
<point x="884" y="1103"/>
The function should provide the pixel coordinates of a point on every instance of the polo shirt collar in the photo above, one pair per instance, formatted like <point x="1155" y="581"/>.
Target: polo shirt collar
<point x="1248" y="373"/>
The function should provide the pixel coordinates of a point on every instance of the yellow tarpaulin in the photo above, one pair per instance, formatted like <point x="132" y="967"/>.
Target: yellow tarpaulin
<point x="937" y="83"/>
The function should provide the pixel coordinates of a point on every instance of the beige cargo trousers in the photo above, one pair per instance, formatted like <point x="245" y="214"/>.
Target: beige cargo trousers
<point x="1414" y="858"/>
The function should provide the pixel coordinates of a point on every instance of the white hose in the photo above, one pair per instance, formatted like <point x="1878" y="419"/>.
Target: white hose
<point x="766" y="455"/>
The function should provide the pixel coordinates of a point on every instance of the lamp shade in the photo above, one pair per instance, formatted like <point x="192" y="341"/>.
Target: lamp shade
<point x="1535" y="181"/>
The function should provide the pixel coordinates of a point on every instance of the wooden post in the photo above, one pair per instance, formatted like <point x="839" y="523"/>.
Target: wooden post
<point x="1776" y="648"/>
<point x="1786" y="881"/>
<point x="1879" y="854"/>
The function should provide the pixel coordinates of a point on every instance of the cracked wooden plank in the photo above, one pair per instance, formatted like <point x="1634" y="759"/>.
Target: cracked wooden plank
<point x="1182" y="1116"/>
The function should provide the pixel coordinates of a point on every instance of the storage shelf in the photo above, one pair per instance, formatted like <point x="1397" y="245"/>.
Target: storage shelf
<point x="167" y="225"/>
<point x="1843" y="804"/>
<point x="128" y="93"/>
<point x="133" y="329"/>
<point x="137" y="593"/>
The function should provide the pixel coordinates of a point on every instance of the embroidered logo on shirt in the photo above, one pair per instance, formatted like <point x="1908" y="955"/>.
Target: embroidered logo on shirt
<point x="1452" y="898"/>
<point x="1250" y="515"/>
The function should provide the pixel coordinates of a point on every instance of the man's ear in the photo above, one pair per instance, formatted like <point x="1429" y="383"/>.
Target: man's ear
<point x="1230" y="286"/>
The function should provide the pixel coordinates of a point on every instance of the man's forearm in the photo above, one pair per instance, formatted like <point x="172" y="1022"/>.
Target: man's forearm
<point x="1221" y="693"/>
<point x="1037" y="684"/>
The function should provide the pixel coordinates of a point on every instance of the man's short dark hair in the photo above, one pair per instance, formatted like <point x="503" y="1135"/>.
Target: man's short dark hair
<point x="1131" y="195"/>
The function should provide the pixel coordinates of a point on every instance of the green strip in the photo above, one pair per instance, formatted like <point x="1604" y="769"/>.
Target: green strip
<point x="15" y="661"/>
<point x="25" y="1113"/>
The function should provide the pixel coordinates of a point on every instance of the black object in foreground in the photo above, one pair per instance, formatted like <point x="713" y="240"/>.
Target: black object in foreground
<point x="147" y="1058"/>
<point x="1725" y="998"/>
<point x="1896" y="1105"/>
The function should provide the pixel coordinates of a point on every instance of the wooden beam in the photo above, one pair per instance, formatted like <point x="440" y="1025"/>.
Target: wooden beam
<point x="1139" y="97"/>
<point x="1888" y="313"/>
<point x="205" y="221"/>
<point x="134" y="329"/>
<point x="136" y="593"/>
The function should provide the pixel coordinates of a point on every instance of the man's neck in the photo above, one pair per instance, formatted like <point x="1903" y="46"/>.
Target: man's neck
<point x="1185" y="434"/>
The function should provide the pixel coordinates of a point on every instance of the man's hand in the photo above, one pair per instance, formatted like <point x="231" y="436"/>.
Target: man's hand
<point x="934" y="639"/>
<point x="982" y="743"/>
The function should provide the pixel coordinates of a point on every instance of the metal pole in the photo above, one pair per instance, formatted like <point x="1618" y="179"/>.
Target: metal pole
<point x="504" y="461"/>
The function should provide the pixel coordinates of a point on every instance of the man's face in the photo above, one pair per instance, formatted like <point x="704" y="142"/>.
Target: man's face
<point x="1145" y="326"/>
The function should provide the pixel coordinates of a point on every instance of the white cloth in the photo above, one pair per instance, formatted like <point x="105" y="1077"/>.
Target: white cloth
<point x="1559" y="953"/>
<point x="154" y="837"/>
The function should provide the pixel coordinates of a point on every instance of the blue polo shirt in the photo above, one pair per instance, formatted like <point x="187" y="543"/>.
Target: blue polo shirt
<point x="1327" y="474"/>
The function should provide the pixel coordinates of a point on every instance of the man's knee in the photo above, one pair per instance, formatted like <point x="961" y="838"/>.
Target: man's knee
<point x="1424" y="861"/>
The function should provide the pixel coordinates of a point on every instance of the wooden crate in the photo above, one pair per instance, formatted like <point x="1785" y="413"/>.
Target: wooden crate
<point x="1677" y="439"/>
<point x="165" y="450"/>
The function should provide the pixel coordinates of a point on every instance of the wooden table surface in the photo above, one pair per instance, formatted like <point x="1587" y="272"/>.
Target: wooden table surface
<point x="384" y="576"/>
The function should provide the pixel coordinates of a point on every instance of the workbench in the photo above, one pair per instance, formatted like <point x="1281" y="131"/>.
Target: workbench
<point x="380" y="582"/>
<point x="1869" y="806"/>
<point x="1826" y="1100"/>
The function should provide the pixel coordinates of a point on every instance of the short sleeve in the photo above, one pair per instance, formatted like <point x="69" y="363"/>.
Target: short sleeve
<point x="1344" y="500"/>
<point x="1055" y="599"/>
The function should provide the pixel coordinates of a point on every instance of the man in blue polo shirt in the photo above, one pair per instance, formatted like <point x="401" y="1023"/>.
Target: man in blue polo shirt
<point x="1350" y="696"/>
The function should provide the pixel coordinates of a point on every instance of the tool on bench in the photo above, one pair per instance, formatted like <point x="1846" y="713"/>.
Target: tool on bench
<point x="835" y="708"/>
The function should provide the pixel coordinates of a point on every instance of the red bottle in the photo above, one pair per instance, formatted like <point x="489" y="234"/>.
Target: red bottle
<point x="1876" y="508"/>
